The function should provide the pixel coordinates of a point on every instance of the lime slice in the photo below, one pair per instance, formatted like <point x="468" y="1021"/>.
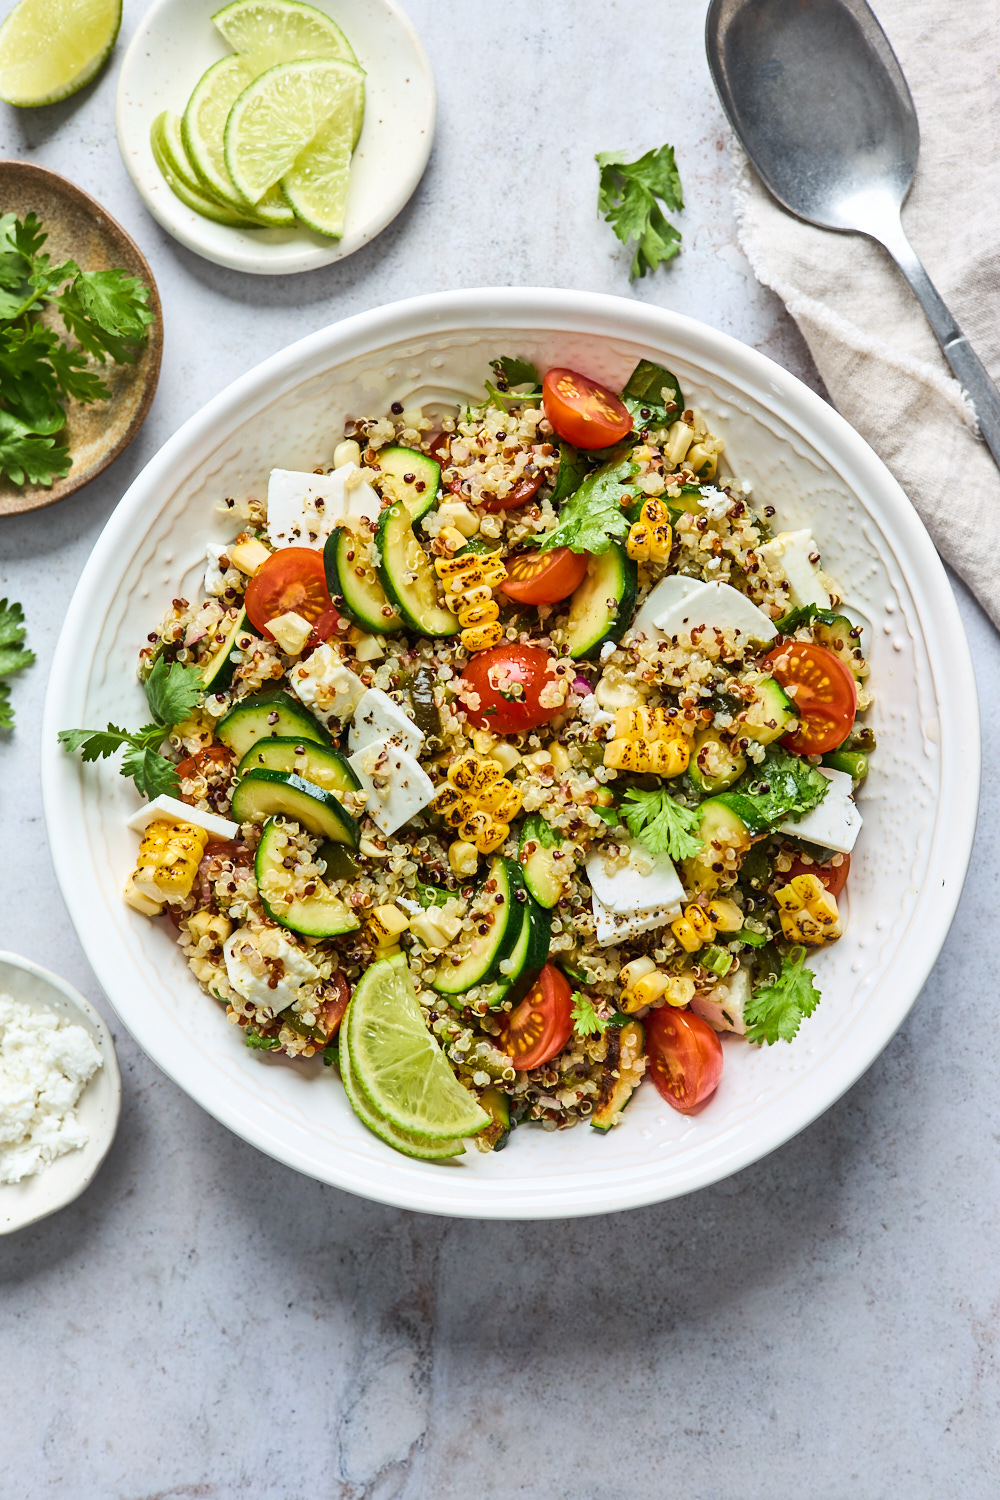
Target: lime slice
<point x="164" y="137"/>
<point x="50" y="49"/>
<point x="203" y="128"/>
<point x="316" y="184"/>
<point x="398" y="1065"/>
<point x="278" y="31"/>
<point x="280" y="113"/>
<point x="405" y="1141"/>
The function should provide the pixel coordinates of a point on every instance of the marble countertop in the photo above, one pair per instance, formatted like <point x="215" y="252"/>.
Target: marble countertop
<point x="205" y="1323"/>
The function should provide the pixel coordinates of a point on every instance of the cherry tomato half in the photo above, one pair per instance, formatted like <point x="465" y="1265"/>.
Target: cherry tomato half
<point x="582" y="412"/>
<point x="509" y="680"/>
<point x="545" y="577"/>
<point x="519" y="495"/>
<point x="292" y="579"/>
<point x="685" y="1057"/>
<point x="331" y="1012"/>
<point x="834" y="877"/>
<point x="209" y="755"/>
<point x="824" y="695"/>
<point x="540" y="1026"/>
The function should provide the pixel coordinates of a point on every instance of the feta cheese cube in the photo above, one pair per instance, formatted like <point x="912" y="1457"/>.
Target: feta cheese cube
<point x="397" y="786"/>
<point x="791" y="551"/>
<point x="644" y="883"/>
<point x="302" y="509"/>
<point x="716" y="606"/>
<point x="298" y="970"/>
<point x="615" y="927"/>
<point x="172" y="810"/>
<point x="214" y="575"/>
<point x="836" y="822"/>
<point x="290" y="631"/>
<point x="671" y="591"/>
<point x="325" y="686"/>
<point x="378" y="717"/>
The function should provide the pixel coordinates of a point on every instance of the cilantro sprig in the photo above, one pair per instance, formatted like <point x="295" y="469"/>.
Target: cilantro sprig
<point x="661" y="823"/>
<point x="627" y="196"/>
<point x="586" y="1021"/>
<point x="14" y="656"/>
<point x="106" y="312"/>
<point x="774" y="1011"/>
<point x="782" y="786"/>
<point x="171" y="692"/>
<point x="593" y="518"/>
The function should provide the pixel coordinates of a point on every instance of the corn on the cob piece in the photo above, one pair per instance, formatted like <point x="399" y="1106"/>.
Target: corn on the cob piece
<point x="650" y="539"/>
<point x="385" y="925"/>
<point x="478" y="802"/>
<point x="169" y="856"/>
<point x="647" y="739"/>
<point x="809" y="914"/>
<point x="694" y="929"/>
<point x="469" y="583"/>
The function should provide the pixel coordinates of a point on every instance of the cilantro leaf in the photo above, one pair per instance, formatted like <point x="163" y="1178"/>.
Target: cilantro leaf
<point x="94" y="744"/>
<point x="535" y="827"/>
<point x="782" y="786"/>
<point x="252" y="1038"/>
<point x="153" y="774"/>
<point x="117" y="303"/>
<point x="586" y="1021"/>
<point x="661" y="823"/>
<point x="652" y="388"/>
<point x="6" y="712"/>
<point x="26" y="456"/>
<point x="774" y="1011"/>
<point x="511" y="372"/>
<point x="609" y="814"/>
<point x="172" y="691"/>
<point x="627" y="196"/>
<point x="593" y="518"/>
<point x="73" y="377"/>
<point x="14" y="655"/>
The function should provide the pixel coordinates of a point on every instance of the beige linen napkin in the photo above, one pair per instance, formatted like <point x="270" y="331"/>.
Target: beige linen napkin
<point x="867" y="333"/>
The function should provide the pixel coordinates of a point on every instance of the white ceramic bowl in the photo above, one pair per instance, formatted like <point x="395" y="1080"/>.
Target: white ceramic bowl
<point x="919" y="802"/>
<point x="173" y="46"/>
<point x="24" y="1203"/>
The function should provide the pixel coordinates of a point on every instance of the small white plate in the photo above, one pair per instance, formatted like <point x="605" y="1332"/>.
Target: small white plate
<point x="24" y="1203"/>
<point x="174" y="45"/>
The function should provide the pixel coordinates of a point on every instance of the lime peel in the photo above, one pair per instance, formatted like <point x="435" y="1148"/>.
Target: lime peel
<point x="406" y="1141"/>
<point x="50" y="49"/>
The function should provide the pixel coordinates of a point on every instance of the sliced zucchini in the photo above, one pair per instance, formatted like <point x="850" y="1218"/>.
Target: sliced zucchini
<point x="721" y="827"/>
<point x="839" y="635"/>
<point x="602" y="607"/>
<point x="267" y="715"/>
<point x="770" y="715"/>
<point x="527" y="957"/>
<point x="623" y="1070"/>
<point x="269" y="794"/>
<point x="407" y="576"/>
<point x="477" y="959"/>
<point x="354" y="586"/>
<point x="497" y="1106"/>
<point x="542" y="874"/>
<point x="410" y="476"/>
<point x="714" y="766"/>
<point x="321" y="765"/>
<point x="321" y="915"/>
<point x="217" y="671"/>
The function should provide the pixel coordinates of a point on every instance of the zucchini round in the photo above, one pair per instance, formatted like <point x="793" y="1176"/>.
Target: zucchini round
<point x="267" y="794"/>
<point x="361" y="596"/>
<point x="321" y="915"/>
<point x="601" y="609"/>
<point x="478" y="959"/>
<point x="410" y="476"/>
<point x="268" y="715"/>
<point x="217" y="671"/>
<point x="321" y="765"/>
<point x="407" y="576"/>
<point x="527" y="956"/>
<point x="541" y="874"/>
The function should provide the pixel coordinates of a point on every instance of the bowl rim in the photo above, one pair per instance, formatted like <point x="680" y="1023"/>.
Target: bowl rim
<point x="259" y="258"/>
<point x="847" y="454"/>
<point x="110" y="1069"/>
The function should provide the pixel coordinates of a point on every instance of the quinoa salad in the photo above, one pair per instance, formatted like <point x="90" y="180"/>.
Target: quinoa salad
<point x="506" y="760"/>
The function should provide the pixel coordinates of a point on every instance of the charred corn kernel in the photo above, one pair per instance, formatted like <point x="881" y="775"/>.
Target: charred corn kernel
<point x="169" y="856"/>
<point x="482" y="637"/>
<point x="248" y="554"/>
<point x="677" y="444"/>
<point x="459" y="574"/>
<point x="202" y="924"/>
<point x="463" y="858"/>
<point x="385" y="925"/>
<point x="453" y="539"/>
<point x="139" y="902"/>
<point x="497" y="835"/>
<point x="679" y="991"/>
<point x="649" y="723"/>
<point x="558" y="756"/>
<point x="478" y="801"/>
<point x="809" y="914"/>
<point x="693" y="930"/>
<point x="637" y="542"/>
<point x="724" y="914"/>
<point x="446" y="798"/>
<point x="483" y="613"/>
<point x="473" y="774"/>
<point x="424" y="927"/>
<point x="291" y="631"/>
<point x="469" y="598"/>
<point x="655" y="513"/>
<point x="636" y="970"/>
<point x="451" y="570"/>
<point x="497" y="796"/>
<point x="702" y="460"/>
<point x="663" y="757"/>
<point x="649" y="989"/>
<point x="661" y="540"/>
<point x="650" y="539"/>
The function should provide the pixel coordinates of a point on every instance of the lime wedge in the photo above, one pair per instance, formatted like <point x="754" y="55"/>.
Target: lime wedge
<point x="203" y="128"/>
<point x="398" y="1065"/>
<point x="50" y="49"/>
<point x="281" y="112"/>
<point x="405" y="1141"/>
<point x="316" y="184"/>
<point x="164" y="138"/>
<point x="278" y="31"/>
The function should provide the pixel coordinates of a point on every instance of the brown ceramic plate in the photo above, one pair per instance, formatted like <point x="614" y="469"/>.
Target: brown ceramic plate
<point x="81" y="230"/>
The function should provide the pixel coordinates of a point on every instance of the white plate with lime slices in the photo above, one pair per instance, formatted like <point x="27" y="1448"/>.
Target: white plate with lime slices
<point x="169" y="55"/>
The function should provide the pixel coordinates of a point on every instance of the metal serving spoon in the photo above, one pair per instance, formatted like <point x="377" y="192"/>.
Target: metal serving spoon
<point x="819" y="102"/>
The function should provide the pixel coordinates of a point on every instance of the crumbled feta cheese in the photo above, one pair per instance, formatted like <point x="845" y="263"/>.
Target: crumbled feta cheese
<point x="46" y="1061"/>
<point x="215" y="577"/>
<point x="397" y="786"/>
<point x="292" y="967"/>
<point x="326" y="687"/>
<point x="290" y="631"/>
<point x="714" y="502"/>
<point x="302" y="509"/>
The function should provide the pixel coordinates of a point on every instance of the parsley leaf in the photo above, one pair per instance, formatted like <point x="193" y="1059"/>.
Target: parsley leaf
<point x="774" y="1011"/>
<point x="627" y="197"/>
<point x="511" y="372"/>
<point x="586" y="1021"/>
<point x="593" y="518"/>
<point x="661" y="823"/>
<point x="172" y="692"/>
<point x="14" y="657"/>
<point x="782" y="786"/>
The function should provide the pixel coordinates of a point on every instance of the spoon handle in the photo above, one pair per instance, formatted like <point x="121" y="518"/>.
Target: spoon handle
<point x="969" y="369"/>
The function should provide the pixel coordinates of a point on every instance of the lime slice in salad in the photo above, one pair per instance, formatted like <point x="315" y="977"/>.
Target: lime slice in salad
<point x="278" y="114"/>
<point x="203" y="128"/>
<point x="403" y="1140"/>
<point x="398" y="1065"/>
<point x="50" y="49"/>
<point x="277" y="31"/>
<point x="165" y="138"/>
<point x="316" y="184"/>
